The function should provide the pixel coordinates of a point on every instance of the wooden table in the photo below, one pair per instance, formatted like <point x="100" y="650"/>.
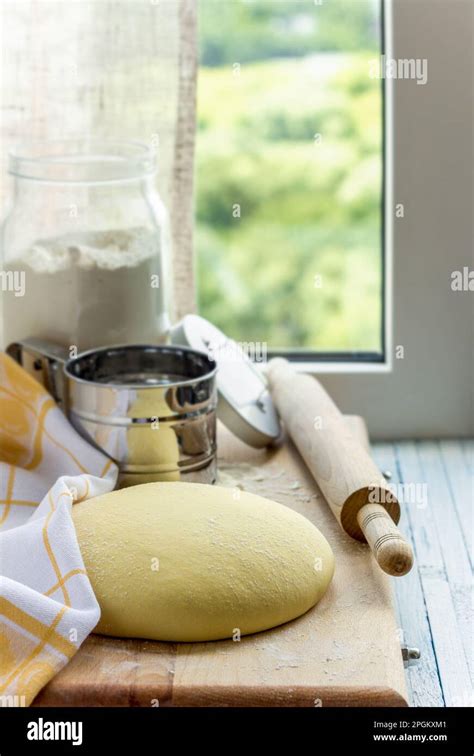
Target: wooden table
<point x="344" y="652"/>
<point x="435" y="600"/>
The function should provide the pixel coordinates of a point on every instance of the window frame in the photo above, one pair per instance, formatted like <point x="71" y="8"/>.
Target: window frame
<point x="428" y="393"/>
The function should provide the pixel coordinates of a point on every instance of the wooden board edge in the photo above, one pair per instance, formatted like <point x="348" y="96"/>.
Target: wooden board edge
<point x="226" y="696"/>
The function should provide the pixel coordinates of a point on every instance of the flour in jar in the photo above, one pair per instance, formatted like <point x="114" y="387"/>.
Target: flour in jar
<point x="90" y="289"/>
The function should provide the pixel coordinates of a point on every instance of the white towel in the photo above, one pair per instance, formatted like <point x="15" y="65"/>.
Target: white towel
<point x="47" y="606"/>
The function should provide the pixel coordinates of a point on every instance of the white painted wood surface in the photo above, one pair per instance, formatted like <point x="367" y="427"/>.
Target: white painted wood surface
<point x="434" y="601"/>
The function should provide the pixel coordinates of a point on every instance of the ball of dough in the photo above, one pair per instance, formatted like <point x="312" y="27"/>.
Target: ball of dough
<point x="190" y="562"/>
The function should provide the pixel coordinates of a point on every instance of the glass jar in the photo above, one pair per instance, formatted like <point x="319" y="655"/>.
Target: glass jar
<point x="85" y="247"/>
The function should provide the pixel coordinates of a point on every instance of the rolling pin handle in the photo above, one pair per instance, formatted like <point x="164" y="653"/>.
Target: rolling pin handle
<point x="391" y="551"/>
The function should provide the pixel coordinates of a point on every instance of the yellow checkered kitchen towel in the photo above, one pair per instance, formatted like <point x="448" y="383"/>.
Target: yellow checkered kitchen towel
<point x="47" y="606"/>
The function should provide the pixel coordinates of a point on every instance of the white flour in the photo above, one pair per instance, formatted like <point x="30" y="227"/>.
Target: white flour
<point x="89" y="290"/>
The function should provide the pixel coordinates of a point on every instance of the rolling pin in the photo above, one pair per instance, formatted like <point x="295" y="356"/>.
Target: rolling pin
<point x="352" y="484"/>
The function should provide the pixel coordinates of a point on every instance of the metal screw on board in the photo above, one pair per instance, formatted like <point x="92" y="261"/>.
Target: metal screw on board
<point x="410" y="655"/>
<point x="387" y="474"/>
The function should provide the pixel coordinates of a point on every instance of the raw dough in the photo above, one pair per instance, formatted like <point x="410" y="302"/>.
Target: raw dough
<point x="190" y="562"/>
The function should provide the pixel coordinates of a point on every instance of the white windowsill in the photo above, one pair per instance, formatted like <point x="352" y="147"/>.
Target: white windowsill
<point x="335" y="368"/>
<point x="342" y="367"/>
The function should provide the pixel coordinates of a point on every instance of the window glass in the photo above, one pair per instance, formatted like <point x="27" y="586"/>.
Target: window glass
<point x="290" y="173"/>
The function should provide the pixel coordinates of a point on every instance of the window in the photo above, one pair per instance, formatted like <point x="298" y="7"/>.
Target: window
<point x="137" y="82"/>
<point x="290" y="175"/>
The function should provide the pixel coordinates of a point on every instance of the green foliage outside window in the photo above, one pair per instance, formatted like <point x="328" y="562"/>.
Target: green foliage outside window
<point x="289" y="172"/>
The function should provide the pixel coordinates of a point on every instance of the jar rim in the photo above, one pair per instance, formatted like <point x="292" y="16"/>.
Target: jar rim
<point x="82" y="161"/>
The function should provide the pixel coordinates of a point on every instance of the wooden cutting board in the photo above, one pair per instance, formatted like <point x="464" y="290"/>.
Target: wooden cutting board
<point x="344" y="652"/>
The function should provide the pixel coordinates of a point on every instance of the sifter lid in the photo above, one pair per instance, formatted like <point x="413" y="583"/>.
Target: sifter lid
<point x="245" y="405"/>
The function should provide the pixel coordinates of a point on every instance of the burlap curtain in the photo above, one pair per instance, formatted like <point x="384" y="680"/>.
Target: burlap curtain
<point x="107" y="68"/>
